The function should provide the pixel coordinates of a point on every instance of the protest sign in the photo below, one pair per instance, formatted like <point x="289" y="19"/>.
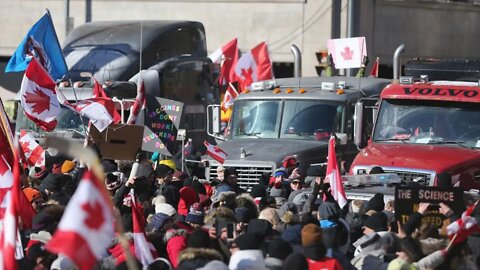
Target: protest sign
<point x="162" y="121"/>
<point x="120" y="142"/>
<point x="408" y="198"/>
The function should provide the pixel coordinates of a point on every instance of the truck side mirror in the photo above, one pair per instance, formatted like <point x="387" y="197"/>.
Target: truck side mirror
<point x="358" y="125"/>
<point x="214" y="121"/>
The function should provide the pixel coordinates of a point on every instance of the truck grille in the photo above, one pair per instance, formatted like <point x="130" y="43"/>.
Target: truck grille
<point x="408" y="177"/>
<point x="248" y="175"/>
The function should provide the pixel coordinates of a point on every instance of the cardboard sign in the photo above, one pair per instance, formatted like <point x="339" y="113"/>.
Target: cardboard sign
<point x="408" y="198"/>
<point x="162" y="121"/>
<point x="120" y="142"/>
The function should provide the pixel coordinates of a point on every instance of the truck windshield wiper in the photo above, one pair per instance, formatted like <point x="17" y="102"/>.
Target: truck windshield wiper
<point x="250" y="134"/>
<point x="461" y="144"/>
<point x="392" y="139"/>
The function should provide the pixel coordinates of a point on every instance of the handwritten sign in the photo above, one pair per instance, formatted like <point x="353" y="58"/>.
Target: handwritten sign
<point x="408" y="198"/>
<point x="162" y="121"/>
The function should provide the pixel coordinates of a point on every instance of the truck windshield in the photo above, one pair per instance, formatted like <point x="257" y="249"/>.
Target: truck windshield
<point x="294" y="119"/>
<point x="67" y="122"/>
<point x="428" y="122"/>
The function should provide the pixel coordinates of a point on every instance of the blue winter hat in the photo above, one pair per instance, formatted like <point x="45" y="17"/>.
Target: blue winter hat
<point x="281" y="171"/>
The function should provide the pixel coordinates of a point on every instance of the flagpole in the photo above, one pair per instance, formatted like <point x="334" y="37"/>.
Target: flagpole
<point x="6" y="127"/>
<point x="56" y="37"/>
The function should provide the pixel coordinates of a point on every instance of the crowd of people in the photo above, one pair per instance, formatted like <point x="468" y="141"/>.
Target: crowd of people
<point x="289" y="220"/>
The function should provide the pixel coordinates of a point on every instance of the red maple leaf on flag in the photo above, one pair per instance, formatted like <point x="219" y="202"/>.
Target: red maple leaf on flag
<point x="247" y="74"/>
<point x="40" y="101"/>
<point x="347" y="53"/>
<point x="94" y="213"/>
<point x="26" y="147"/>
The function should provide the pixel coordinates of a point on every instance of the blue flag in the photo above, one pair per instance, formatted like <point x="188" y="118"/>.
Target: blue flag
<point x="40" y="42"/>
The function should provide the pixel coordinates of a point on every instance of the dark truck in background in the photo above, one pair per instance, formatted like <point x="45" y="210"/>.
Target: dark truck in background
<point x="290" y="117"/>
<point x="172" y="55"/>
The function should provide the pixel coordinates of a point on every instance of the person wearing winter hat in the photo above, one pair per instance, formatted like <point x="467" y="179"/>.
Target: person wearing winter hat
<point x="377" y="222"/>
<point x="376" y="203"/>
<point x="162" y="207"/>
<point x="229" y="183"/>
<point x="411" y="256"/>
<point x="260" y="227"/>
<point x="195" y="216"/>
<point x="34" y="197"/>
<point x="314" y="249"/>
<point x="246" y="253"/>
<point x="53" y="184"/>
<point x="278" y="251"/>
<point x="112" y="183"/>
<point x="164" y="174"/>
<point x="68" y="166"/>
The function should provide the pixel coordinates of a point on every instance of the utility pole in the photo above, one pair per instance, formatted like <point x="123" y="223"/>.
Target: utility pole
<point x="88" y="11"/>
<point x="68" y="20"/>
<point x="352" y="23"/>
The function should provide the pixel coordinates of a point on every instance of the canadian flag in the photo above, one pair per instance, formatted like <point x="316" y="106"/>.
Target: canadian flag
<point x="38" y="97"/>
<point x="374" y="71"/>
<point x="463" y="226"/>
<point x="229" y="97"/>
<point x="144" y="250"/>
<point x="87" y="225"/>
<point x="253" y="66"/>
<point x="139" y="105"/>
<point x="333" y="175"/>
<point x="226" y="56"/>
<point x="215" y="152"/>
<point x="100" y="111"/>
<point x="33" y="152"/>
<point x="99" y="92"/>
<point x="347" y="52"/>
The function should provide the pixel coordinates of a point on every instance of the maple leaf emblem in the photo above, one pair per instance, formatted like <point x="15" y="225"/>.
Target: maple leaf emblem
<point x="94" y="218"/>
<point x="247" y="74"/>
<point x="347" y="53"/>
<point x="40" y="100"/>
<point x="26" y="147"/>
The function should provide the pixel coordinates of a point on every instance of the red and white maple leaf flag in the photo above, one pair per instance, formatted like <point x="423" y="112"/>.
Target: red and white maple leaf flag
<point x="347" y="52"/>
<point x="87" y="225"/>
<point x="333" y="175"/>
<point x="100" y="111"/>
<point x="215" y="152"/>
<point x="38" y="97"/>
<point x="464" y="226"/>
<point x="253" y="66"/>
<point x="229" y="97"/>
<point x="33" y="152"/>
<point x="144" y="250"/>
<point x="139" y="105"/>
<point x="374" y="70"/>
<point x="98" y="92"/>
<point x="227" y="57"/>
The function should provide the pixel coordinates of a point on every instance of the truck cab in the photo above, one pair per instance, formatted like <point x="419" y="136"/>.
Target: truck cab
<point x="424" y="128"/>
<point x="291" y="117"/>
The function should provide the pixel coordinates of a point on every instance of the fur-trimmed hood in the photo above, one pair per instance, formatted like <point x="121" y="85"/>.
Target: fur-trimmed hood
<point x="220" y="212"/>
<point x="199" y="253"/>
<point x="172" y="233"/>
<point x="430" y="245"/>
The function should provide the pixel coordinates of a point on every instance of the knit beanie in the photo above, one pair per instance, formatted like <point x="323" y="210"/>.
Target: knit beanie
<point x="249" y="241"/>
<point x="158" y="220"/>
<point x="67" y="166"/>
<point x="377" y="222"/>
<point x="31" y="194"/>
<point x="195" y="215"/>
<point x="376" y="203"/>
<point x="311" y="234"/>
<point x="260" y="226"/>
<point x="281" y="171"/>
<point x="198" y="238"/>
<point x="258" y="191"/>
<point x="279" y="248"/>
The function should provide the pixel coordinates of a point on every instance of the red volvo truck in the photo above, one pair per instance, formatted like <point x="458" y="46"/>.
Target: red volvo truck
<point x="422" y="128"/>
